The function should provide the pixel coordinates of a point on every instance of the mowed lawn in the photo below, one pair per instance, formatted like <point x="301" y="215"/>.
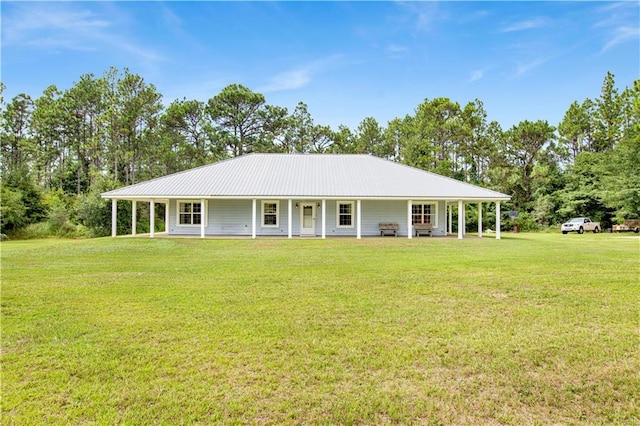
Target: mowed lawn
<point x="531" y="329"/>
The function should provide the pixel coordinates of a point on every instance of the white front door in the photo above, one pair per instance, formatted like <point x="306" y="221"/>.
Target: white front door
<point x="308" y="219"/>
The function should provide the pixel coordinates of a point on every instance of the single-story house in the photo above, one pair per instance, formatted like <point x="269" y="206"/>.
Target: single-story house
<point x="307" y="195"/>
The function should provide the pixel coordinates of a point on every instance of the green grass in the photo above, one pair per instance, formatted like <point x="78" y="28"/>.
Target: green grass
<point x="532" y="329"/>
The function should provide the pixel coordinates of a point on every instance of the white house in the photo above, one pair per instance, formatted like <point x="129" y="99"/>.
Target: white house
<point x="306" y="195"/>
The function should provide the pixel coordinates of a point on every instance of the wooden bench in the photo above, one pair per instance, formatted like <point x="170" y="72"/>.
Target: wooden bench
<point x="423" y="229"/>
<point x="388" y="229"/>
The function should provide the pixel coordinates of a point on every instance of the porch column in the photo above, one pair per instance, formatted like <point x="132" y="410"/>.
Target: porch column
<point x="359" y="220"/>
<point x="203" y="217"/>
<point x="409" y="224"/>
<point x="152" y="217"/>
<point x="167" y="217"/>
<point x="497" y="220"/>
<point x="134" y="216"/>
<point x="114" y="217"/>
<point x="289" y="217"/>
<point x="324" y="219"/>
<point x="253" y="218"/>
<point x="450" y="207"/>
<point x="479" y="220"/>
<point x="460" y="219"/>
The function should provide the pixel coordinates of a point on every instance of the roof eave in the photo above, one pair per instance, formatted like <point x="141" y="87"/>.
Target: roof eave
<point x="302" y="197"/>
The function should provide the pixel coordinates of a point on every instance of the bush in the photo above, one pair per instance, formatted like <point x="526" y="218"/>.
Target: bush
<point x="42" y="230"/>
<point x="33" y="231"/>
<point x="524" y="222"/>
<point x="21" y="201"/>
<point x="59" y="220"/>
<point x="94" y="212"/>
<point x="12" y="210"/>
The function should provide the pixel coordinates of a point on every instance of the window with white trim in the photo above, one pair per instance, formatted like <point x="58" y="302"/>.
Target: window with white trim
<point x="423" y="213"/>
<point x="189" y="213"/>
<point x="270" y="214"/>
<point x="344" y="212"/>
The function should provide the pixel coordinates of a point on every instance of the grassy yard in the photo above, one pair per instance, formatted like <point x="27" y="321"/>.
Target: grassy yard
<point x="532" y="329"/>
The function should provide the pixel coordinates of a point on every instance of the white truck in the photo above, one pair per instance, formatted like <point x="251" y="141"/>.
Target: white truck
<point x="580" y="225"/>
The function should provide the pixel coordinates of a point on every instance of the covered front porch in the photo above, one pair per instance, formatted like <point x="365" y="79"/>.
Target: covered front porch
<point x="305" y="217"/>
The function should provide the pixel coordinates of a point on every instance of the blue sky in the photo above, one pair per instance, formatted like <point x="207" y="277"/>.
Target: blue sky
<point x="345" y="60"/>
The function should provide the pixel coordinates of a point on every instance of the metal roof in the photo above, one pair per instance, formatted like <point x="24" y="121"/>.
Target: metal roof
<point x="306" y="176"/>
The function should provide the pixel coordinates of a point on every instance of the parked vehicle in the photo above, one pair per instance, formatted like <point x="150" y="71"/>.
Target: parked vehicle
<point x="580" y="225"/>
<point x="629" y="225"/>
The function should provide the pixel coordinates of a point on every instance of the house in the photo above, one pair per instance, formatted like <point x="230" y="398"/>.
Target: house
<point x="319" y="195"/>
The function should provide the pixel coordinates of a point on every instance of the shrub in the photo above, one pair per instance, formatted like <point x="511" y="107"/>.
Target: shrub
<point x="524" y="222"/>
<point x="12" y="210"/>
<point x="94" y="212"/>
<point x="21" y="201"/>
<point x="32" y="231"/>
<point x="59" y="220"/>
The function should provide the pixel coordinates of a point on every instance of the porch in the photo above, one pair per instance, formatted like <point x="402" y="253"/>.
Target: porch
<point x="322" y="218"/>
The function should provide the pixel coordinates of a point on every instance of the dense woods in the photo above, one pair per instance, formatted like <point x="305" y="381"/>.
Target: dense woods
<point x="63" y="148"/>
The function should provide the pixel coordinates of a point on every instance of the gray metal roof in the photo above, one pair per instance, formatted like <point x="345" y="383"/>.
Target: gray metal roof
<point x="305" y="176"/>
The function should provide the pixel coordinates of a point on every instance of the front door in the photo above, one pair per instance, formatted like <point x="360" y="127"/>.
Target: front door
<point x="308" y="219"/>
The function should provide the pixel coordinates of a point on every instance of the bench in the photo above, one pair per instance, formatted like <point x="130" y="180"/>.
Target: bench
<point x="388" y="229"/>
<point x="423" y="229"/>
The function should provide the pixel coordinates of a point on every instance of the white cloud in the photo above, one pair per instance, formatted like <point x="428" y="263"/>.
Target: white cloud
<point x="621" y="35"/>
<point x="525" y="25"/>
<point x="476" y="75"/>
<point x="618" y="24"/>
<point x="424" y="14"/>
<point x="395" y="49"/>
<point x="472" y="17"/>
<point x="66" y="26"/>
<point x="42" y="25"/>
<point x="299" y="77"/>
<point x="525" y="68"/>
<point x="289" y="80"/>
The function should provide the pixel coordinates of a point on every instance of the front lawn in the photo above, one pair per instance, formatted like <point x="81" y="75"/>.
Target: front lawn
<point x="531" y="329"/>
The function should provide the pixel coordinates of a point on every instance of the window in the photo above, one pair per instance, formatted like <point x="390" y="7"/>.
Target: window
<point x="423" y="213"/>
<point x="270" y="214"/>
<point x="189" y="213"/>
<point x="345" y="214"/>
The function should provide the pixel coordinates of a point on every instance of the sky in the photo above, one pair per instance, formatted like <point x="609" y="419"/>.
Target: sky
<point x="345" y="60"/>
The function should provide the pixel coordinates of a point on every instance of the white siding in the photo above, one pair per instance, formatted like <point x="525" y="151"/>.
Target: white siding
<point x="233" y="217"/>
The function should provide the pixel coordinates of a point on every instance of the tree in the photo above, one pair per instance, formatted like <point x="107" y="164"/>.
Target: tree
<point x="576" y="129"/>
<point x="621" y="177"/>
<point x="475" y="145"/>
<point x="94" y="212"/>
<point x="370" y="139"/>
<point x="393" y="136"/>
<point x="188" y="137"/>
<point x="85" y="105"/>
<point x="582" y="192"/>
<point x="608" y="116"/>
<point x="3" y="87"/>
<point x="344" y="141"/>
<point x="238" y="112"/>
<point x="275" y="123"/>
<point x="21" y="200"/>
<point x="15" y="140"/>
<point x="525" y="145"/>
<point x="49" y="135"/>
<point x="140" y="106"/>
<point x="302" y="135"/>
<point x="432" y="137"/>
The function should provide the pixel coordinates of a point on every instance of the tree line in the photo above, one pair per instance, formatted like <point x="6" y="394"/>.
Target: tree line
<point x="62" y="149"/>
